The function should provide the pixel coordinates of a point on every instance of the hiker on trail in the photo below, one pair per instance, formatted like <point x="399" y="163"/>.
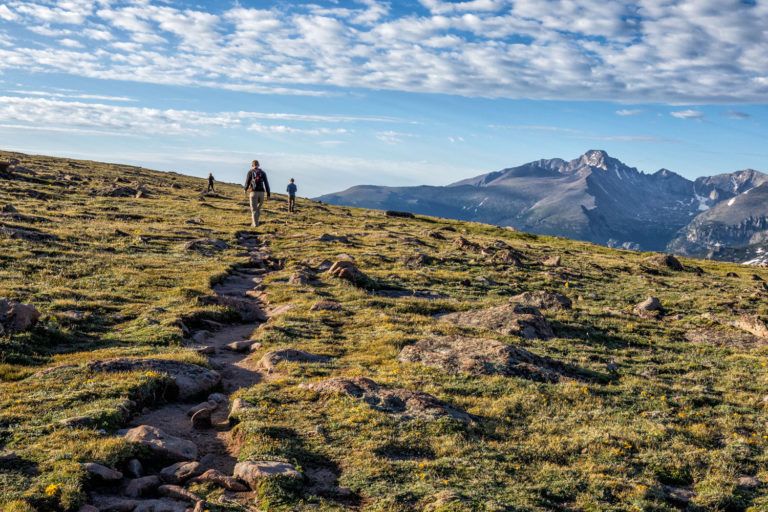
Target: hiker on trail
<point x="210" y="182"/>
<point x="291" y="196"/>
<point x="257" y="187"/>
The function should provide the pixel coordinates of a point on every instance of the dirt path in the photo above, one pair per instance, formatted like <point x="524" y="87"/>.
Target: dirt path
<point x="237" y="371"/>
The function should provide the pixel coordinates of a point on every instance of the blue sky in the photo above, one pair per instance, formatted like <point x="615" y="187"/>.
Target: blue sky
<point x="400" y="93"/>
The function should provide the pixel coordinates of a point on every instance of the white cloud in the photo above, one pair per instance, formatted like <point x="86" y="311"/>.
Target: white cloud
<point x="626" y="112"/>
<point x="393" y="137"/>
<point x="682" y="51"/>
<point x="688" y="114"/>
<point x="280" y="129"/>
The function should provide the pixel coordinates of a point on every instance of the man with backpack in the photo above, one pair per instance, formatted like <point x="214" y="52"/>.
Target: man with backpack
<point x="291" y="196"/>
<point x="257" y="187"/>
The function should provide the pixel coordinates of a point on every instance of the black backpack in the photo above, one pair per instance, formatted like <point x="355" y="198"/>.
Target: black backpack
<point x="257" y="180"/>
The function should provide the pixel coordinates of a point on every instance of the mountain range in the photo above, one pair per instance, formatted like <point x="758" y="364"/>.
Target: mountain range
<point x="598" y="198"/>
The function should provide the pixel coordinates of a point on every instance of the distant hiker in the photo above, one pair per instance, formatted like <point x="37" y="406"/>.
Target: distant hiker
<point x="210" y="182"/>
<point x="291" y="196"/>
<point x="257" y="187"/>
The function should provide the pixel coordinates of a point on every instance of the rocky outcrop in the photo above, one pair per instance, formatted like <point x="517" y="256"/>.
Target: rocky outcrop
<point x="406" y="403"/>
<point x="666" y="261"/>
<point x="479" y="356"/>
<point x="219" y="479"/>
<point x="190" y="379"/>
<point x="753" y="325"/>
<point x="507" y="319"/>
<point x="207" y="246"/>
<point x="543" y="300"/>
<point x="291" y="355"/>
<point x="348" y="271"/>
<point x="254" y="473"/>
<point x="162" y="444"/>
<point x="17" y="317"/>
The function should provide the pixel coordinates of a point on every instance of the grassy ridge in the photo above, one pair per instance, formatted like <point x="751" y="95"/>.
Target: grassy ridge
<point x="680" y="415"/>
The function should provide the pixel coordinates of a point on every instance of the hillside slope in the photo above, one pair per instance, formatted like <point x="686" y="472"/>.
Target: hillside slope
<point x="374" y="376"/>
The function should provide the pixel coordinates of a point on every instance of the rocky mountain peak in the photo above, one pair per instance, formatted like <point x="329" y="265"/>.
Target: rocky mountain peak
<point x="597" y="158"/>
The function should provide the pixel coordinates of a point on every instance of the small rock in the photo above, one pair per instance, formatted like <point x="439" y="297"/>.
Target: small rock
<point x="237" y="408"/>
<point x="255" y="472"/>
<point x="200" y="336"/>
<point x="348" y="271"/>
<point x="748" y="482"/>
<point x="543" y="300"/>
<point x="113" y="503"/>
<point x="139" y="487"/>
<point x="162" y="444"/>
<point x="179" y="493"/>
<point x="679" y="495"/>
<point x="206" y="246"/>
<point x="552" y="261"/>
<point x="650" y="307"/>
<point x="134" y="468"/>
<point x="219" y="479"/>
<point x="218" y="398"/>
<point x="161" y="505"/>
<point x="181" y="472"/>
<point x="666" y="260"/>
<point x="242" y="345"/>
<point x="752" y="324"/>
<point x="326" y="305"/>
<point x="334" y="239"/>
<point x="271" y="359"/>
<point x="17" y="317"/>
<point x="103" y="472"/>
<point x="210" y="404"/>
<point x="206" y="350"/>
<point x="731" y="274"/>
<point x="402" y="215"/>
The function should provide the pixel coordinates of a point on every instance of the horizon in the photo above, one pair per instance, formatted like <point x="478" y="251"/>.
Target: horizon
<point x="338" y="94"/>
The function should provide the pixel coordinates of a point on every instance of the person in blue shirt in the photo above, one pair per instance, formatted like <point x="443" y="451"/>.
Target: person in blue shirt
<point x="291" y="196"/>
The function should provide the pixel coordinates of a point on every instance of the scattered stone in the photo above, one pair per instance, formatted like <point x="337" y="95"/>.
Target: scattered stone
<point x="28" y="234"/>
<point x="752" y="324"/>
<point x="680" y="495"/>
<point x="479" y="356"/>
<point x="552" y="261"/>
<point x="210" y="404"/>
<point x="650" y="307"/>
<point x="341" y="239"/>
<point x="162" y="444"/>
<point x="731" y="274"/>
<point x="348" y="271"/>
<point x="219" y="398"/>
<point x="114" y="503"/>
<point x="666" y="261"/>
<point x="541" y="299"/>
<point x="219" y="479"/>
<point x="8" y="208"/>
<point x="181" y="472"/>
<point x="103" y="472"/>
<point x="242" y="345"/>
<point x="179" y="493"/>
<point x="139" y="487"/>
<point x="403" y="215"/>
<point x="507" y="257"/>
<point x="723" y="337"/>
<point x="437" y="235"/>
<point x="462" y="244"/>
<point x="507" y="319"/>
<point x="271" y="359"/>
<point x="190" y="379"/>
<point x="237" y="408"/>
<point x="206" y="350"/>
<point x="17" y="317"/>
<point x="301" y="277"/>
<point x="748" y="482"/>
<point x="117" y="191"/>
<point x="255" y="472"/>
<point x="326" y="305"/>
<point x="206" y="246"/>
<point x="134" y="468"/>
<point x="418" y="260"/>
<point x="409" y="404"/>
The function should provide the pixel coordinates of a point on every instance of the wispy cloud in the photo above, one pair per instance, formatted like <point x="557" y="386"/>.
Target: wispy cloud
<point x="688" y="114"/>
<point x="735" y="114"/>
<point x="626" y="112"/>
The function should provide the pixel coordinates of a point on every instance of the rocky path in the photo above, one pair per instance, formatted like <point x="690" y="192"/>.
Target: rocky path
<point x="228" y="350"/>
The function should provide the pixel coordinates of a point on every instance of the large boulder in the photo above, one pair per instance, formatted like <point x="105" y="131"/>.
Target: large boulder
<point x="649" y="308"/>
<point x="479" y="356"/>
<point x="180" y="472"/>
<point x="507" y="319"/>
<point x="409" y="404"/>
<point x="752" y="324"/>
<point x="16" y="317"/>
<point x="255" y="472"/>
<point x="190" y="379"/>
<point x="162" y="444"/>
<point x="541" y="299"/>
<point x="102" y="472"/>
<point x="348" y="271"/>
<point x="665" y="261"/>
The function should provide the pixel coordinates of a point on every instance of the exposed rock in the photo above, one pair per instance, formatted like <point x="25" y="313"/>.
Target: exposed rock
<point x="219" y="398"/>
<point x="219" y="479"/>
<point x="326" y="305"/>
<point x="162" y="444"/>
<point x="462" y="244"/>
<point x="402" y="215"/>
<point x="731" y="274"/>
<point x="478" y="356"/>
<point x="134" y="468"/>
<point x="178" y="493"/>
<point x="210" y="404"/>
<point x="507" y="319"/>
<point x="334" y="239"/>
<point x="117" y="191"/>
<point x="541" y="299"/>
<point x="301" y="277"/>
<point x="418" y="260"/>
<point x="666" y="261"/>
<point x="161" y="505"/>
<point x="242" y="345"/>
<point x="17" y="317"/>
<point x="409" y="404"/>
<point x="87" y="508"/>
<point x="102" y="472"/>
<point x="236" y="410"/>
<point x="752" y="324"/>
<point x="181" y="472"/>
<point x="247" y="309"/>
<point x="271" y="359"/>
<point x="28" y="234"/>
<point x="114" y="503"/>
<point x="139" y="487"/>
<point x="680" y="495"/>
<point x="552" y="261"/>
<point x="724" y="337"/>
<point x="748" y="482"/>
<point x="348" y="271"/>
<point x="206" y="245"/>
<point x="255" y="472"/>
<point x="437" y="235"/>
<point x="8" y="208"/>
<point x="190" y="379"/>
<point x="507" y="257"/>
<point x="650" y="307"/>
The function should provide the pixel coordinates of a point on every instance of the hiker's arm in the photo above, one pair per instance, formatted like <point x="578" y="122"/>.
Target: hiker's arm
<point x="266" y="185"/>
<point x="247" y="180"/>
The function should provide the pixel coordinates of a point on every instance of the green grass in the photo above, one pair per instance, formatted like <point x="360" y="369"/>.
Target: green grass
<point x="679" y="413"/>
